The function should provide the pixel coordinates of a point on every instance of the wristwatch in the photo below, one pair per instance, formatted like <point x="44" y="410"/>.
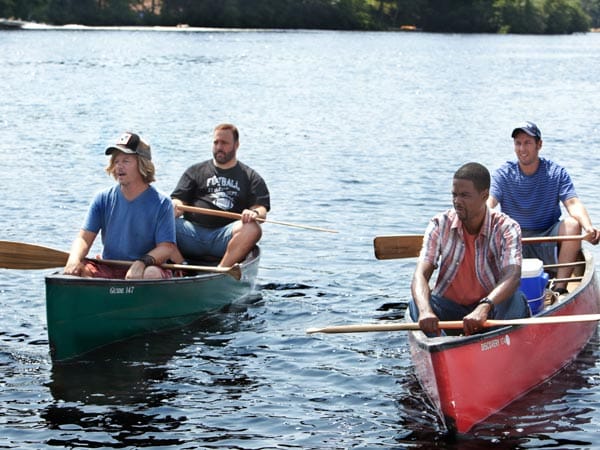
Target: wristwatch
<point x="488" y="302"/>
<point x="148" y="260"/>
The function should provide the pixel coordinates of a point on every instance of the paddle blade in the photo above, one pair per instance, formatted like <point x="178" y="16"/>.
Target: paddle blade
<point x="405" y="246"/>
<point x="18" y="255"/>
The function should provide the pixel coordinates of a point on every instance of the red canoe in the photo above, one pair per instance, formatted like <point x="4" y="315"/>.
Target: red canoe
<point x="469" y="378"/>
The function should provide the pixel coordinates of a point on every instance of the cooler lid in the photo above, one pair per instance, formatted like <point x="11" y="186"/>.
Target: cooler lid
<point x="532" y="267"/>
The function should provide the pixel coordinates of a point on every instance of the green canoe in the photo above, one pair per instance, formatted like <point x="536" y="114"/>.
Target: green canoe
<point x="87" y="313"/>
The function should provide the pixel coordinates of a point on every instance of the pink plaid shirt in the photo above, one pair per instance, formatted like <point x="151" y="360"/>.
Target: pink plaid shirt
<point x="498" y="245"/>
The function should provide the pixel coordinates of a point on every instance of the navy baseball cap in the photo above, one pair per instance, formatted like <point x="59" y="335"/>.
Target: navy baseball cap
<point x="133" y="144"/>
<point x="530" y="128"/>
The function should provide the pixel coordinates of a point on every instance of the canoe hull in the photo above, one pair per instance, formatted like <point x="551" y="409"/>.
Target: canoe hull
<point x="470" y="378"/>
<point x="87" y="313"/>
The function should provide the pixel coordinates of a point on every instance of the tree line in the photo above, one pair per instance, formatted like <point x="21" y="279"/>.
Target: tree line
<point x="454" y="16"/>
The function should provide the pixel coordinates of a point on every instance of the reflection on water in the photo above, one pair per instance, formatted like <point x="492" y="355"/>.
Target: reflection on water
<point x="129" y="372"/>
<point x="123" y="373"/>
<point x="91" y="394"/>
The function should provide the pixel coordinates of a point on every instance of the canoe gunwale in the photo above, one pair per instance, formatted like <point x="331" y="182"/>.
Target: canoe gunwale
<point x="72" y="280"/>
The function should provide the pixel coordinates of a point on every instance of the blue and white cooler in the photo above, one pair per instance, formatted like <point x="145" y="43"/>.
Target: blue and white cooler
<point x="533" y="283"/>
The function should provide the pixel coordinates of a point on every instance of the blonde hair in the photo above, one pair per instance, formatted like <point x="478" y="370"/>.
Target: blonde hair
<point x="145" y="167"/>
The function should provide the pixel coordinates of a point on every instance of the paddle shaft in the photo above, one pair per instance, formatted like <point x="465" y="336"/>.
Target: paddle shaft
<point x="409" y="245"/>
<point x="231" y="215"/>
<point x="234" y="271"/>
<point x="455" y="324"/>
<point x="19" y="255"/>
<point x="569" y="264"/>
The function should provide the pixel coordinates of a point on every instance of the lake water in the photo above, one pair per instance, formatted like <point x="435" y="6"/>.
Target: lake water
<point x="358" y="132"/>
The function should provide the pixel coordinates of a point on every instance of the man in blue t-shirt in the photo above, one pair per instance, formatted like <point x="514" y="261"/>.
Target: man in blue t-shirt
<point x="530" y="191"/>
<point x="136" y="221"/>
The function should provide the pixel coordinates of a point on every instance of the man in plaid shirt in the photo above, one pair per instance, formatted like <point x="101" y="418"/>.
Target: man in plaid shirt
<point x="478" y="252"/>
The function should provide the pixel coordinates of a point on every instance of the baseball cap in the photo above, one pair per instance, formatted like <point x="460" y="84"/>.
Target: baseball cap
<point x="131" y="143"/>
<point x="530" y="128"/>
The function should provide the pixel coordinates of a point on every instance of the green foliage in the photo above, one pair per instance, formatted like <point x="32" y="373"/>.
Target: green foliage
<point x="406" y="12"/>
<point x="565" y="16"/>
<point x="520" y="16"/>
<point x="456" y="16"/>
<point x="341" y="14"/>
<point x="94" y="12"/>
<point x="503" y="16"/>
<point x="592" y="9"/>
<point x="22" y="9"/>
<point x="459" y="16"/>
<point x="7" y="8"/>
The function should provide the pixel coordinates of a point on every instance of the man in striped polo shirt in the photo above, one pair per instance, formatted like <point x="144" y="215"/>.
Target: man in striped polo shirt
<point x="530" y="191"/>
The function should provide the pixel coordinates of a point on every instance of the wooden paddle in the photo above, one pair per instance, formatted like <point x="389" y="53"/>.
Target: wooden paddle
<point x="409" y="245"/>
<point x="456" y="324"/>
<point x="230" y="215"/>
<point x="235" y="271"/>
<point x="569" y="264"/>
<point x="19" y="255"/>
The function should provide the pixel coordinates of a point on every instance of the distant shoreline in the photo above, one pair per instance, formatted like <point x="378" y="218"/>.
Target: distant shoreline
<point x="9" y="24"/>
<point x="15" y="24"/>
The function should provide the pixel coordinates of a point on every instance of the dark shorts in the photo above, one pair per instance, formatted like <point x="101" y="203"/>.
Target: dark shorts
<point x="515" y="307"/>
<point x="546" y="251"/>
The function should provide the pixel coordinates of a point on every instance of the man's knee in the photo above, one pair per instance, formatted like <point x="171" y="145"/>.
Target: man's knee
<point x="570" y="226"/>
<point x="251" y="232"/>
<point x="153" y="273"/>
